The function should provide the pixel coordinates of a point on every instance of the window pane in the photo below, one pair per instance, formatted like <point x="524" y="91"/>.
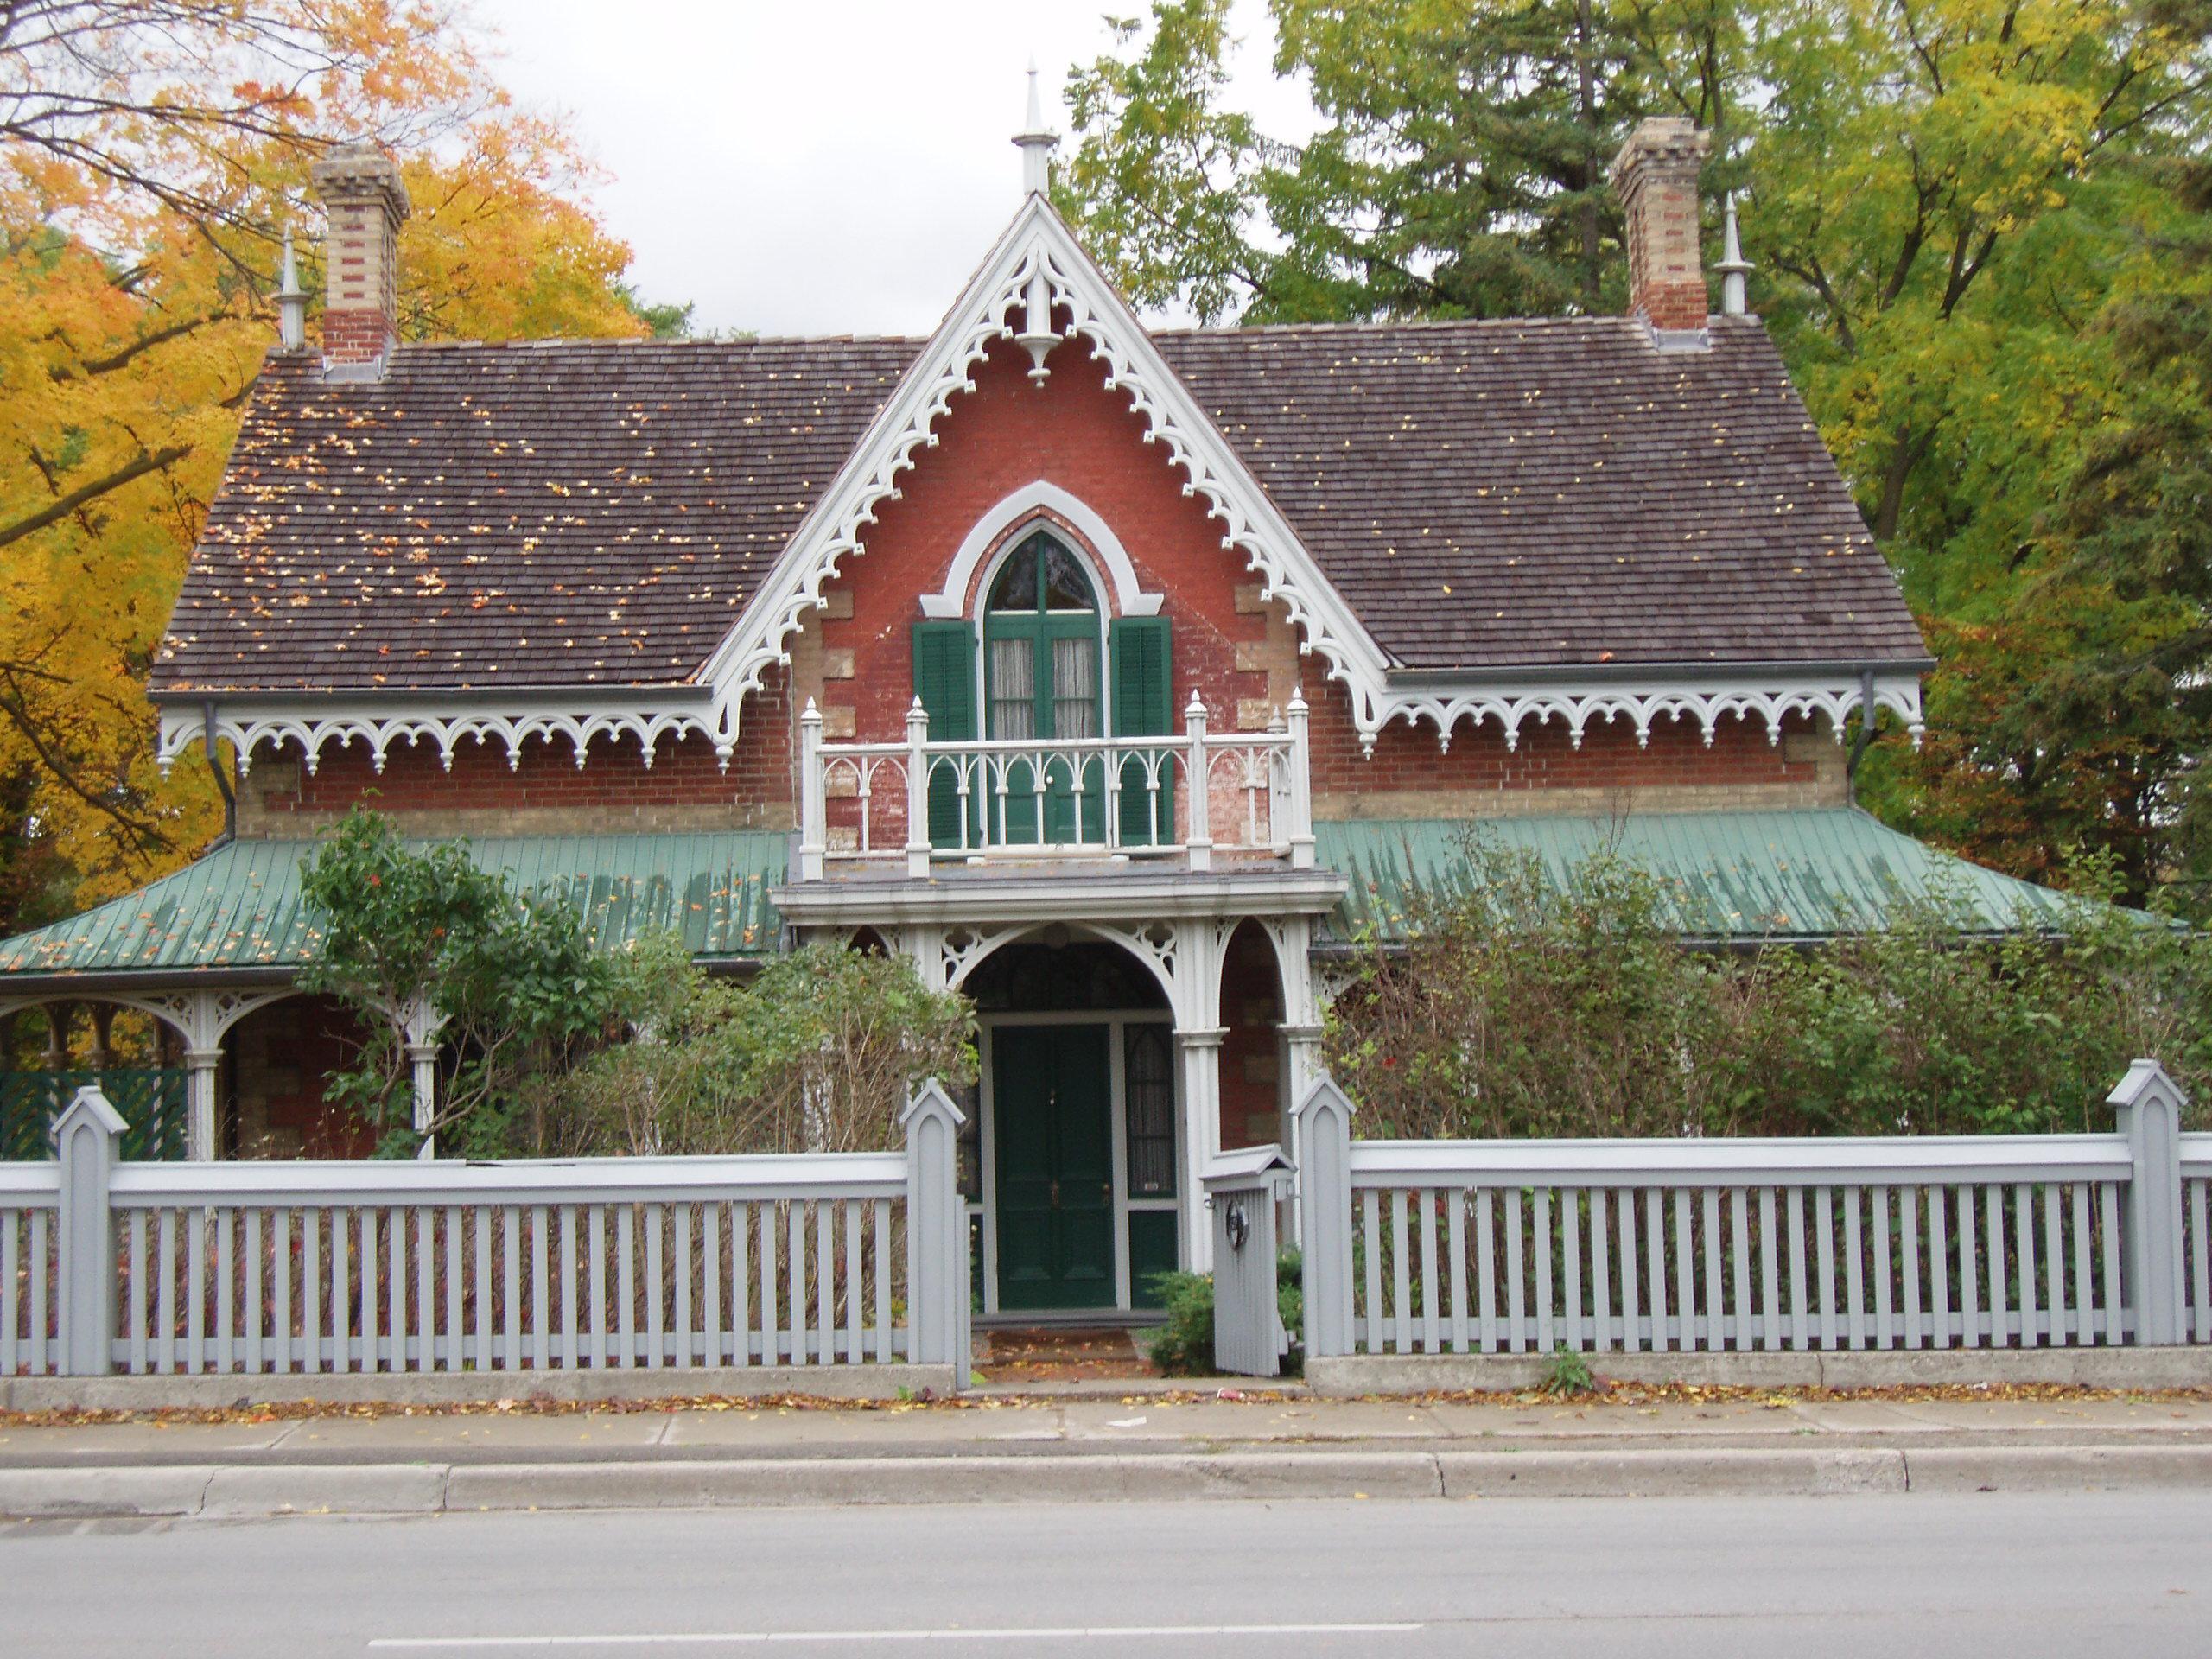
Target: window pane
<point x="1148" y="1076"/>
<point x="1014" y="689"/>
<point x="1016" y="589"/>
<point x="1067" y="588"/>
<point x="1074" y="688"/>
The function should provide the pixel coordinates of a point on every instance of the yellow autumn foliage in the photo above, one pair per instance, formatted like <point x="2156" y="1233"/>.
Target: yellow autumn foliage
<point x="139" y="251"/>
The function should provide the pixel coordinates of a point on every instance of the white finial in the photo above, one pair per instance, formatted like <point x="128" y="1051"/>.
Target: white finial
<point x="1732" y="266"/>
<point x="1036" y="144"/>
<point x="291" y="304"/>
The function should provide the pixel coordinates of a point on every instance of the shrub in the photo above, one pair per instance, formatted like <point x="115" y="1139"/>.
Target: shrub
<point x="403" y="931"/>
<point x="817" y="1054"/>
<point x="1182" y="1345"/>
<point x="1525" y="1004"/>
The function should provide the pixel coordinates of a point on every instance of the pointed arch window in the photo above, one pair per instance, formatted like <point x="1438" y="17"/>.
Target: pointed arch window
<point x="1041" y="645"/>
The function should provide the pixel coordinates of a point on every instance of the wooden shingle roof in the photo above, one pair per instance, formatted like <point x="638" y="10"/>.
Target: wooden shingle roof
<point x="1486" y="496"/>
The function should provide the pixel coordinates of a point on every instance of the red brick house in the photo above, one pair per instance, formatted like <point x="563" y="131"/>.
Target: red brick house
<point x="1115" y="676"/>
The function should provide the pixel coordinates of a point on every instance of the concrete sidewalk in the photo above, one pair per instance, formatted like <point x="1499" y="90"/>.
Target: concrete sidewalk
<point x="1136" y="1446"/>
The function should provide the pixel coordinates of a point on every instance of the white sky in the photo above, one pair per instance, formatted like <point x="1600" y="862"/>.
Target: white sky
<point x="836" y="166"/>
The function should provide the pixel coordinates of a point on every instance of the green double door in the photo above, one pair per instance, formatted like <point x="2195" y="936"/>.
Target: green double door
<point x="1053" y="1134"/>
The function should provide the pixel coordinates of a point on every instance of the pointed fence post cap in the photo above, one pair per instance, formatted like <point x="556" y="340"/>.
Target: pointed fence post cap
<point x="2146" y="1083"/>
<point x="90" y="1105"/>
<point x="931" y="1101"/>
<point x="1324" y="1096"/>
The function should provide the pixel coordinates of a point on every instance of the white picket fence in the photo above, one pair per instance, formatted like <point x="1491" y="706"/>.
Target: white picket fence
<point x="1703" y="1245"/>
<point x="513" y="1266"/>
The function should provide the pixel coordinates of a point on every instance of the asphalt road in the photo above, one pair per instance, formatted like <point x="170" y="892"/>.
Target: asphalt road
<point x="2008" y="1574"/>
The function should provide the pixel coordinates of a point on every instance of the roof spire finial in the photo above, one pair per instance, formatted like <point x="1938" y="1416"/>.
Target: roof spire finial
<point x="1732" y="265"/>
<point x="1036" y="143"/>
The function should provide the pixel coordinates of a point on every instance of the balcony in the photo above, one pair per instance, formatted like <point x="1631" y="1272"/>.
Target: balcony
<point x="1197" y="802"/>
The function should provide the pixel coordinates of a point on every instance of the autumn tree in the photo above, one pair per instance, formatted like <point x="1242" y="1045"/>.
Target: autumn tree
<point x="1945" y="200"/>
<point x="153" y="153"/>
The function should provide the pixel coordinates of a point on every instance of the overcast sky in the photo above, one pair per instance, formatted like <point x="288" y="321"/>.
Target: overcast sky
<point x="821" y="167"/>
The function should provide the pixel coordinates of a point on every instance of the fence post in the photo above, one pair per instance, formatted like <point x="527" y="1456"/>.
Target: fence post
<point x="1324" y="1216"/>
<point x="85" y="1145"/>
<point x="2148" y="1106"/>
<point x="936" y="1234"/>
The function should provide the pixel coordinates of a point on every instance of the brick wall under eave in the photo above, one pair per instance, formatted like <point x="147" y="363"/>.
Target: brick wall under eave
<point x="856" y="657"/>
<point x="546" y="794"/>
<point x="1478" y="776"/>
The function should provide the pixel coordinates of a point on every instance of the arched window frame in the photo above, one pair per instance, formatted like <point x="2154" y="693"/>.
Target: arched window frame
<point x="1102" y="595"/>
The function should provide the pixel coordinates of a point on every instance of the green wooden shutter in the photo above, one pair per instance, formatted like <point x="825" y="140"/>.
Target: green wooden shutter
<point x="1144" y="706"/>
<point x="944" y="679"/>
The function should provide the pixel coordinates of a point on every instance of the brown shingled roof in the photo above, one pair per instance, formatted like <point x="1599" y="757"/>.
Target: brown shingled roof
<point x="1485" y="495"/>
<point x="1509" y="494"/>
<point x="557" y="513"/>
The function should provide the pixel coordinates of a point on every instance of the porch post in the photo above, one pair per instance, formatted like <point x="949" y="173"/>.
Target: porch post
<point x="1201" y="1051"/>
<point x="1199" y="768"/>
<point x="422" y="1027"/>
<point x="813" y="806"/>
<point x="918" y="792"/>
<point x="199" y="1101"/>
<point x="1301" y="787"/>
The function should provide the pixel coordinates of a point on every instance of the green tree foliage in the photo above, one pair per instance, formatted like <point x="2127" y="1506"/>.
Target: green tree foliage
<point x="1978" y="226"/>
<point x="817" y="1053"/>
<point x="426" y="943"/>
<point x="1521" y="1006"/>
<point x="549" y="1045"/>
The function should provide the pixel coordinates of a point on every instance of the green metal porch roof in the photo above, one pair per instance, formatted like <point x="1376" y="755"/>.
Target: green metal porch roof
<point x="1736" y="876"/>
<point x="239" y="906"/>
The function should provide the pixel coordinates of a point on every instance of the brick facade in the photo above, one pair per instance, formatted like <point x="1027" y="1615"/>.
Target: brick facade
<point x="1007" y="433"/>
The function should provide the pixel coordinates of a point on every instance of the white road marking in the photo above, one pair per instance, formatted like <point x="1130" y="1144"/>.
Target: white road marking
<point x="1039" y="1633"/>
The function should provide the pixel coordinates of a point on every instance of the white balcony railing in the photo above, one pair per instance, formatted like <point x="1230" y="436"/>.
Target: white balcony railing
<point x="1244" y="793"/>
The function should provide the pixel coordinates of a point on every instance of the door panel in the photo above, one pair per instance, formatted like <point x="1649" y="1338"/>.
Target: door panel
<point x="1052" y="1133"/>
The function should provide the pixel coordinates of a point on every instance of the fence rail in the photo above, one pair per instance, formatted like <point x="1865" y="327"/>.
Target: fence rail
<point x="530" y="1266"/>
<point x="1655" y="1246"/>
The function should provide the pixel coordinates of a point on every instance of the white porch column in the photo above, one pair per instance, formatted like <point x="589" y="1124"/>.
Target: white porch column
<point x="1201" y="1051"/>
<point x="199" y="1101"/>
<point x="422" y="1025"/>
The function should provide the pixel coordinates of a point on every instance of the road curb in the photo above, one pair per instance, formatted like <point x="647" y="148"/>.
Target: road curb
<point x="232" y="1492"/>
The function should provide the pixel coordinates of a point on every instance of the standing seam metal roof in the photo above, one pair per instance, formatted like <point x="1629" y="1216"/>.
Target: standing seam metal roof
<point x="240" y="906"/>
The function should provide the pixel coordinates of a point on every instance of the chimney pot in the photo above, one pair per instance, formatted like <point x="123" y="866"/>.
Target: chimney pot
<point x="1656" y="176"/>
<point x="361" y="190"/>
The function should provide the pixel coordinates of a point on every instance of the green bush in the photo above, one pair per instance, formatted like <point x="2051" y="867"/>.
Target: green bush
<point x="1524" y="1004"/>
<point x="1182" y="1345"/>
<point x="549" y="1045"/>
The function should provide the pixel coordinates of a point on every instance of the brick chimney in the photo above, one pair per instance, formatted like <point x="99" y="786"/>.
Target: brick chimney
<point x="360" y="187"/>
<point x="1656" y="177"/>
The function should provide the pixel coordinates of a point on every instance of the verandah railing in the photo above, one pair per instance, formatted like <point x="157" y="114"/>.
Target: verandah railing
<point x="152" y="1100"/>
<point x="883" y="803"/>
<point x="526" y="1266"/>
<point x="1654" y="1246"/>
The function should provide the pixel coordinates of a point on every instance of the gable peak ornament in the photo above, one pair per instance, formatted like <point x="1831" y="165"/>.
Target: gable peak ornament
<point x="1036" y="141"/>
